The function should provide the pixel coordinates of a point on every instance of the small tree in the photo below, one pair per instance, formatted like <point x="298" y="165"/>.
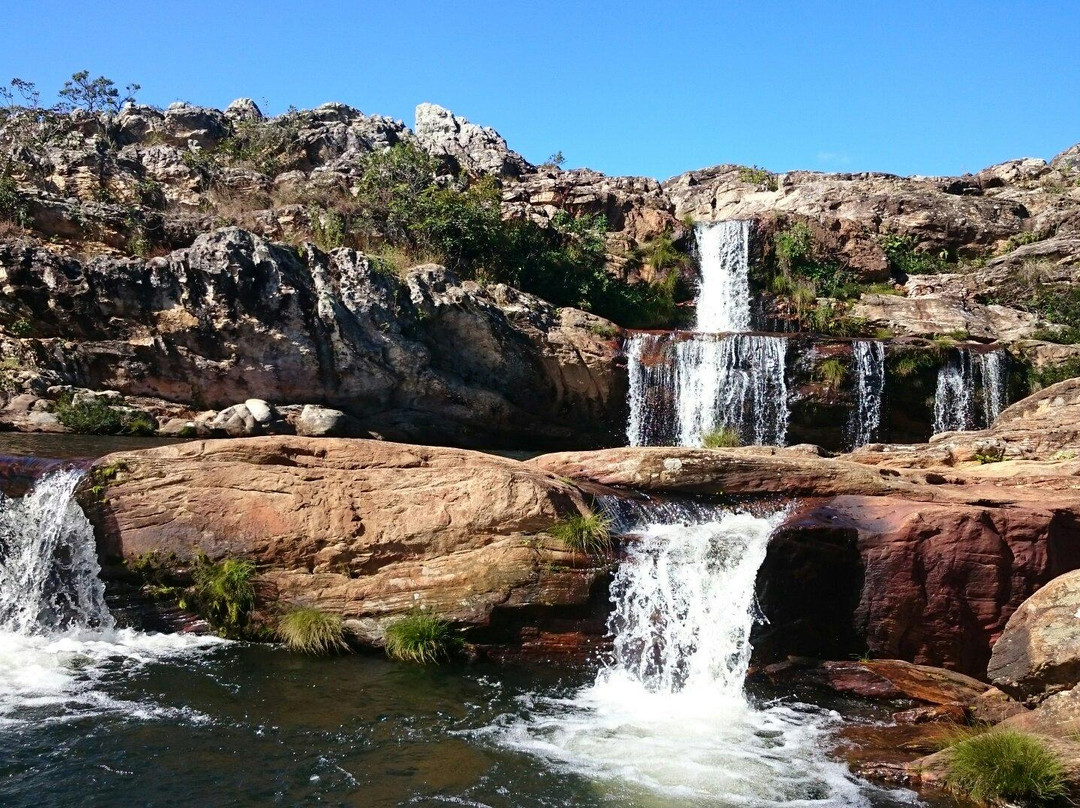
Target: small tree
<point x="96" y="96"/>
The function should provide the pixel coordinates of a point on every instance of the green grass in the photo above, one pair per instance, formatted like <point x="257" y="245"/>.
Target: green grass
<point x="224" y="593"/>
<point x="721" y="437"/>
<point x="585" y="533"/>
<point x="1052" y="374"/>
<point x="832" y="371"/>
<point x="312" y="631"/>
<point x="1006" y="765"/>
<point x="906" y="258"/>
<point x="421" y="637"/>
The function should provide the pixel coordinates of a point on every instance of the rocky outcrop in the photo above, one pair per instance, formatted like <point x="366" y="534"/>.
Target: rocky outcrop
<point x="365" y="529"/>
<point x="1038" y="654"/>
<point x="476" y="149"/>
<point x="235" y="317"/>
<point x="923" y="564"/>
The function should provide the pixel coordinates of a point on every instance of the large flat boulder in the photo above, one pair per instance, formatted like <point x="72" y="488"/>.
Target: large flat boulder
<point x="364" y="529"/>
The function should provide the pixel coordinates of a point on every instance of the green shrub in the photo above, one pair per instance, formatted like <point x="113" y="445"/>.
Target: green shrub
<point x="223" y="593"/>
<point x="907" y="259"/>
<point x="327" y="227"/>
<point x="794" y="244"/>
<point x="21" y="327"/>
<point x="908" y="362"/>
<point x="1067" y="335"/>
<point x="833" y="372"/>
<point x="421" y="637"/>
<point x="758" y="176"/>
<point x="1008" y="766"/>
<point x="585" y="533"/>
<point x="95" y="416"/>
<point x="1052" y="374"/>
<point x="1021" y="239"/>
<point x="312" y="631"/>
<point x="1031" y="289"/>
<point x="721" y="437"/>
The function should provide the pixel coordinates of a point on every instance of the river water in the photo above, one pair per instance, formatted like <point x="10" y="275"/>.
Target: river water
<point x="95" y="714"/>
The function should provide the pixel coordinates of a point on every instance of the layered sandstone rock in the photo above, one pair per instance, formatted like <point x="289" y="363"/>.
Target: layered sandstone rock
<point x="365" y="529"/>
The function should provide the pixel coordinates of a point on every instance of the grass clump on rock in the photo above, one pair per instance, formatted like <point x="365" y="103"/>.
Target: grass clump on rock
<point x="307" y="630"/>
<point x="422" y="637"/>
<point x="1006" y="766"/>
<point x="95" y="416"/>
<point x="722" y="437"/>
<point x="224" y="593"/>
<point x="585" y="533"/>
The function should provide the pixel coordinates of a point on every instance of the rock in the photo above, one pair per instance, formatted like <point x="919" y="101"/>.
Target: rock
<point x="243" y="109"/>
<point x="477" y="149"/>
<point x="321" y="422"/>
<point x="930" y="315"/>
<point x="261" y="411"/>
<point x="896" y="679"/>
<point x="364" y="529"/>
<point x="178" y="428"/>
<point x="1039" y="651"/>
<point x="186" y="125"/>
<point x="428" y="357"/>
<point x="235" y="421"/>
<point x="1068" y="160"/>
<point x="993" y="706"/>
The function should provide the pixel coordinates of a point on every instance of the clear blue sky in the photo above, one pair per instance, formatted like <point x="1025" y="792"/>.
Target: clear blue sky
<point x="624" y="87"/>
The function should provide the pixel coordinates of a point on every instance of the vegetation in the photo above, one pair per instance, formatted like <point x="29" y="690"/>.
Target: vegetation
<point x="1032" y="289"/>
<point x="991" y="455"/>
<point x="93" y="415"/>
<point x="223" y="593"/>
<point x="1006" y="766"/>
<point x="906" y="258"/>
<point x="421" y="637"/>
<point x="1052" y="374"/>
<point x="584" y="533"/>
<point x="906" y="363"/>
<point x="758" y="176"/>
<point x="833" y="372"/>
<point x="312" y="631"/>
<point x="1020" y="239"/>
<point x="721" y="437"/>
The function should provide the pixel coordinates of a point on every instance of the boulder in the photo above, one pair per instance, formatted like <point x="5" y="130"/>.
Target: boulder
<point x="243" y="109"/>
<point x="1038" y="653"/>
<point x="321" y="422"/>
<point x="260" y="410"/>
<point x="365" y="529"/>
<point x="235" y="421"/>
<point x="186" y="125"/>
<point x="897" y="679"/>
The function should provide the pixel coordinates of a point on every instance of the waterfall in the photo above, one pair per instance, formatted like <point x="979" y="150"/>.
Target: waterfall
<point x="723" y="302"/>
<point x="58" y="642"/>
<point x="681" y="388"/>
<point x="868" y="358"/>
<point x="970" y="391"/>
<point x="48" y="562"/>
<point x="667" y="720"/>
<point x="993" y="376"/>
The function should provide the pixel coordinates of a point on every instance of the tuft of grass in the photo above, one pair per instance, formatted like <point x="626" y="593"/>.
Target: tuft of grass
<point x="1006" y="765"/>
<point x="421" y="637"/>
<point x="307" y="630"/>
<point x="721" y="437"/>
<point x="224" y="593"/>
<point x="585" y="533"/>
<point x="833" y="372"/>
<point x="95" y="416"/>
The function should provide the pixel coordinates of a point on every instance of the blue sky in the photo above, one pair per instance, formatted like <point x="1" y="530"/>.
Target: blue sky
<point x="623" y="87"/>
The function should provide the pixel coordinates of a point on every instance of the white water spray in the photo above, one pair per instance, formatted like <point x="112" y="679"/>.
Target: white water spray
<point x="57" y="638"/>
<point x="667" y="721"/>
<point x="868" y="358"/>
<point x="723" y="302"/>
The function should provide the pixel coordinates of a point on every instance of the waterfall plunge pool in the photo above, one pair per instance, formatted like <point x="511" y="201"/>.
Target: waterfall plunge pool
<point x="97" y="715"/>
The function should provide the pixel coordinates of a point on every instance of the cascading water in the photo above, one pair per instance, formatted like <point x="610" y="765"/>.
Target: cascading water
<point x="48" y="562"/>
<point x="667" y="721"/>
<point x="682" y="387"/>
<point x="868" y="358"/>
<point x="57" y="636"/>
<point x="723" y="301"/>
<point x="970" y="391"/>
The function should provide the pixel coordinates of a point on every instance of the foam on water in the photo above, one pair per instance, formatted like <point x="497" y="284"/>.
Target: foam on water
<point x="58" y="640"/>
<point x="667" y="720"/>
